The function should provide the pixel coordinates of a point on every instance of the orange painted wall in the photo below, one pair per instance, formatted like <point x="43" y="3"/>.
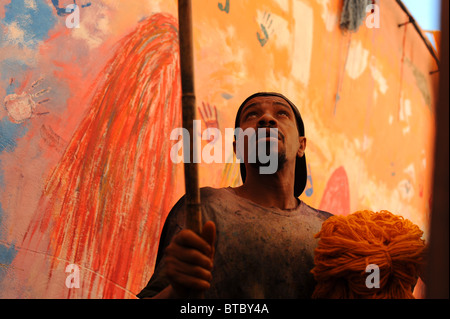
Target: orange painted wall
<point x="367" y="100"/>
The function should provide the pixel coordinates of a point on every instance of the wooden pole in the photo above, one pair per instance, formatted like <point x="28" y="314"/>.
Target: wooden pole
<point x="436" y="279"/>
<point x="192" y="196"/>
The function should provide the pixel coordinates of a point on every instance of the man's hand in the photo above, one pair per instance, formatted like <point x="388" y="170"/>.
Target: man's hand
<point x="189" y="260"/>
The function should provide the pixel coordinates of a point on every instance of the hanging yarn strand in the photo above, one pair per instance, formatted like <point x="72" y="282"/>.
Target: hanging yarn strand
<point x="353" y="14"/>
<point x="348" y="244"/>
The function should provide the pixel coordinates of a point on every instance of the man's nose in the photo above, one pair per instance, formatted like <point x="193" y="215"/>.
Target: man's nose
<point x="267" y="120"/>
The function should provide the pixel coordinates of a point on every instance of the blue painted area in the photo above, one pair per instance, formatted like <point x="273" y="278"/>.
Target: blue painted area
<point x="227" y="96"/>
<point x="12" y="87"/>
<point x="1" y="208"/>
<point x="10" y="133"/>
<point x="7" y="255"/>
<point x="11" y="68"/>
<point x="61" y="10"/>
<point x="2" y="184"/>
<point x="309" y="190"/>
<point x="262" y="40"/>
<point x="225" y="7"/>
<point x="35" y="21"/>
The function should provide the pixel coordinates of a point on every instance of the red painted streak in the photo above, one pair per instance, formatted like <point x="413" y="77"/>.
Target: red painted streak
<point x="336" y="197"/>
<point x="106" y="200"/>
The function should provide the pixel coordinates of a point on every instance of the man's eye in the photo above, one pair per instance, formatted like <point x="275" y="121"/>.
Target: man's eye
<point x="284" y="113"/>
<point x="250" y="114"/>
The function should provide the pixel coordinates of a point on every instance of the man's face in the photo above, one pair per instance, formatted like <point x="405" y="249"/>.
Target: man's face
<point x="274" y="112"/>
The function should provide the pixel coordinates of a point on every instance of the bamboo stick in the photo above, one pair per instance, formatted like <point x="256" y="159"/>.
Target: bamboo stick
<point x="192" y="196"/>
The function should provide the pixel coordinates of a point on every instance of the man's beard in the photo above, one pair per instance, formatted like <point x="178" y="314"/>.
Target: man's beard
<point x="282" y="159"/>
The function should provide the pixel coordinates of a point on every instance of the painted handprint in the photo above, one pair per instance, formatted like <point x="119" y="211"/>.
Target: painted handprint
<point x="61" y="6"/>
<point x="209" y="116"/>
<point x="266" y="27"/>
<point x="52" y="139"/>
<point x="225" y="7"/>
<point x="21" y="107"/>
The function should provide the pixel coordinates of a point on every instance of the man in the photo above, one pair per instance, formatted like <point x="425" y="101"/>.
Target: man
<point x="258" y="241"/>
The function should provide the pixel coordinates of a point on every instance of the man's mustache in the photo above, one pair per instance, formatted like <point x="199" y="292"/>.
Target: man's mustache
<point x="261" y="132"/>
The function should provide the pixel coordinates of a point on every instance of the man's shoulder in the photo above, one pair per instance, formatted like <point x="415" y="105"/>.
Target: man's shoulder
<point x="211" y="192"/>
<point x="215" y="197"/>
<point x="207" y="195"/>
<point x="206" y="192"/>
<point x="324" y="215"/>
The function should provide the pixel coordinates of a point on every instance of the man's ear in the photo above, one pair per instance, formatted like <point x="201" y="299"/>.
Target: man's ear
<point x="302" y="147"/>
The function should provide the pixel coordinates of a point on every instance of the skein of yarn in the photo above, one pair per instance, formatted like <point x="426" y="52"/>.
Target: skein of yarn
<point x="348" y="244"/>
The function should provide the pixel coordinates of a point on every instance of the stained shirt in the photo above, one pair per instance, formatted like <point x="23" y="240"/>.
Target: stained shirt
<point x="260" y="252"/>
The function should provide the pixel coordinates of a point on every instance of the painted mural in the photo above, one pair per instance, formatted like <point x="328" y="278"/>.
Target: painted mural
<point x="90" y="92"/>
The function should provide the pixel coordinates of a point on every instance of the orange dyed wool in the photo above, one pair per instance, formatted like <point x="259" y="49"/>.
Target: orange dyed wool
<point x="348" y="244"/>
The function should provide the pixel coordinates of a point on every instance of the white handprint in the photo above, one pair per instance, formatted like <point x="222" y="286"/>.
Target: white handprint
<point x="21" y="107"/>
